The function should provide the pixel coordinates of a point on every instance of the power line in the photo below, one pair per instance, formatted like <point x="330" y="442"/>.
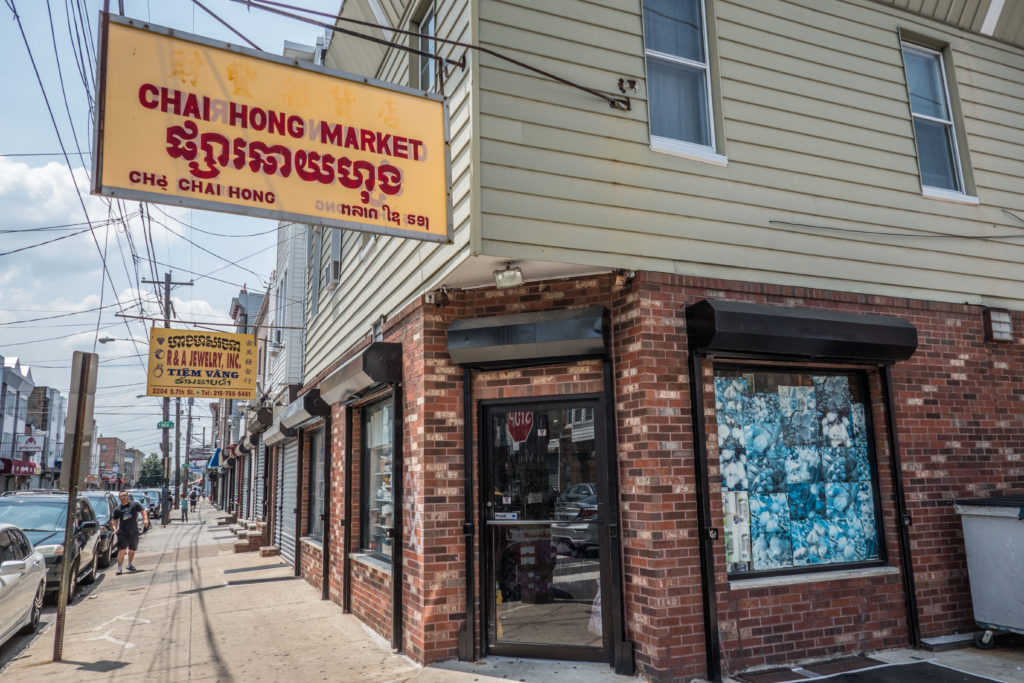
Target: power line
<point x="229" y="26"/>
<point x="616" y="101"/>
<point x="43" y="244"/>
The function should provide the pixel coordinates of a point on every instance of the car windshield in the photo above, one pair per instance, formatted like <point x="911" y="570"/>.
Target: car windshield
<point x="99" y="506"/>
<point x="34" y="515"/>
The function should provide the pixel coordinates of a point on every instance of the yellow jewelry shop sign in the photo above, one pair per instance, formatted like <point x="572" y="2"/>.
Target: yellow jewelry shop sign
<point x="206" y="364"/>
<point x="187" y="121"/>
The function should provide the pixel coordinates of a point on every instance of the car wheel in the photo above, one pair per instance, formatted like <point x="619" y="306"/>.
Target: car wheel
<point x="37" y="608"/>
<point x="74" y="588"/>
<point x="108" y="554"/>
<point x="91" y="576"/>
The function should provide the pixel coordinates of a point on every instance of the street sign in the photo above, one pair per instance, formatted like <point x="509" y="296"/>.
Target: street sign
<point x="165" y="424"/>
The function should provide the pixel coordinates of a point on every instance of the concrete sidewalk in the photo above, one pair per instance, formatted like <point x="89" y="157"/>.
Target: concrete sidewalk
<point x="196" y="611"/>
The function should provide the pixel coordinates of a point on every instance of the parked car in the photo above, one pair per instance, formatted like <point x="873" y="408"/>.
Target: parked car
<point x="155" y="496"/>
<point x="103" y="504"/>
<point x="42" y="518"/>
<point x="22" y="583"/>
<point x="577" y="530"/>
<point x="575" y="493"/>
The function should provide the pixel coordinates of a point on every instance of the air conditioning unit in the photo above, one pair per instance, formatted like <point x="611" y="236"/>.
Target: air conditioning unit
<point x="332" y="273"/>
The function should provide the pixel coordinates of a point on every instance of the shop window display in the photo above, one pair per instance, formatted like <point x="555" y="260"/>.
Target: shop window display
<point x="378" y="507"/>
<point x="797" y="470"/>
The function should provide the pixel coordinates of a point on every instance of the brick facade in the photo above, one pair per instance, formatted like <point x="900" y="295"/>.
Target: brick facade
<point x="958" y="409"/>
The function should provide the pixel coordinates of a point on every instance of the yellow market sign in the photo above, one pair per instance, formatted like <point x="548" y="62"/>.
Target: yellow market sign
<point x="207" y="364"/>
<point x="185" y="121"/>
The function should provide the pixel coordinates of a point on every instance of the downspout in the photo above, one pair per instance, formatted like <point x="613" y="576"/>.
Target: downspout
<point x="708" y="534"/>
<point x="467" y="635"/>
<point x="396" y="556"/>
<point x="346" y="592"/>
<point x="904" y="521"/>
<point x="298" y="504"/>
<point x="325" y="588"/>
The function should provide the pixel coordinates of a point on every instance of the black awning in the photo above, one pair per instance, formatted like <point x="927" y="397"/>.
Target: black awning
<point x="745" y="329"/>
<point x="512" y="339"/>
<point x="304" y="409"/>
<point x="378" y="363"/>
<point x="259" y="420"/>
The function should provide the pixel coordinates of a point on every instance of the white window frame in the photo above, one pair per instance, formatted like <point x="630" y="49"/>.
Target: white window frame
<point x="931" y="191"/>
<point x="425" y="42"/>
<point x="684" y="148"/>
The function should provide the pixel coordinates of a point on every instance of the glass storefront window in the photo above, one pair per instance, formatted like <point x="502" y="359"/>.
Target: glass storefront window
<point x="377" y="498"/>
<point x="316" y="484"/>
<point x="797" y="469"/>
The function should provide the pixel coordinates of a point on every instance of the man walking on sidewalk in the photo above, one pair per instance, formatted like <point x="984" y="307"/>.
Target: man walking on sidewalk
<point x="126" y="529"/>
<point x="193" y="498"/>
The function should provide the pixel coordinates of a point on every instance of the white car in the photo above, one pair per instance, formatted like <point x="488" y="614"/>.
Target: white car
<point x="22" y="583"/>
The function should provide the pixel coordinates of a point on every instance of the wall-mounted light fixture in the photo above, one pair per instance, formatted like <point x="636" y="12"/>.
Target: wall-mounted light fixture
<point x="998" y="325"/>
<point x="624" y="277"/>
<point x="511" y="276"/>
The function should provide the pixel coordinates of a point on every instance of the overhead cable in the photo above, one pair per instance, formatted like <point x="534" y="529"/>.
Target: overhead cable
<point x="615" y="101"/>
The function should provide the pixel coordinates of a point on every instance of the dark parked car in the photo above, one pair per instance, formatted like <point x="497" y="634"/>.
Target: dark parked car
<point x="41" y="517"/>
<point x="103" y="504"/>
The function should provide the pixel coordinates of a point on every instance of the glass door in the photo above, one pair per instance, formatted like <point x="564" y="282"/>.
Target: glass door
<point x="545" y="517"/>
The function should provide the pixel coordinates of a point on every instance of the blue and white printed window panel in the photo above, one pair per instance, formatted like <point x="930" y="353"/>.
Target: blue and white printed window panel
<point x="772" y="545"/>
<point x="730" y="396"/>
<point x="802" y="454"/>
<point x="799" y="416"/>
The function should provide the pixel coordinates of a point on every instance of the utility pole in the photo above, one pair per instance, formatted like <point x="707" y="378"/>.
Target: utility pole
<point x="165" y="445"/>
<point x="177" y="449"/>
<point x="188" y="440"/>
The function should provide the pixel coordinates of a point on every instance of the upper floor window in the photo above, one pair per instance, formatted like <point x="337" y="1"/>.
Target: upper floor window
<point x="938" y="155"/>
<point x="426" y="72"/>
<point x="679" y="76"/>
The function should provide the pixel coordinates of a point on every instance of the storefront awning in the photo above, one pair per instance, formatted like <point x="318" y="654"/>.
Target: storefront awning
<point x="243" y="447"/>
<point x="18" y="468"/>
<point x="379" y="363"/>
<point x="259" y="420"/>
<point x="276" y="434"/>
<point x="214" y="461"/>
<point x="515" y="339"/>
<point x="303" y="409"/>
<point x="744" y="329"/>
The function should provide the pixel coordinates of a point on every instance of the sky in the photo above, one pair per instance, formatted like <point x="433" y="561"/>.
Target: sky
<point x="39" y="202"/>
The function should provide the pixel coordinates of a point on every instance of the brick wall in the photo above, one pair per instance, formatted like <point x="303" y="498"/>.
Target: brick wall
<point x="311" y="562"/>
<point x="959" y="409"/>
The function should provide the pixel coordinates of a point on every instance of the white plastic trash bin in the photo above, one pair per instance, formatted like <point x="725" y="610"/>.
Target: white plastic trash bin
<point x="994" y="541"/>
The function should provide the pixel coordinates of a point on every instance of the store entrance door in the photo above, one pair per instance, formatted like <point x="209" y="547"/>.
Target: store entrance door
<point x="545" y="508"/>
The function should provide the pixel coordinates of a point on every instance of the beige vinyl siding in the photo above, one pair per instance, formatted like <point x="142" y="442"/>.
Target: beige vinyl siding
<point x="380" y="279"/>
<point x="818" y="132"/>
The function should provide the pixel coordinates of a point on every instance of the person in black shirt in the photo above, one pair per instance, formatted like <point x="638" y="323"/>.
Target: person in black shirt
<point x="126" y="529"/>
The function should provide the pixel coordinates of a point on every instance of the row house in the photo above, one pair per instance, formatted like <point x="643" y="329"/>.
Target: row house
<point x="47" y="410"/>
<point x="716" y="343"/>
<point x="230" y="417"/>
<point x="19" y="468"/>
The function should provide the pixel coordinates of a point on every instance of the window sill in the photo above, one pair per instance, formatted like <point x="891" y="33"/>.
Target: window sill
<point x="688" y="151"/>
<point x="818" y="577"/>
<point x="312" y="541"/>
<point x="372" y="562"/>
<point x="948" y="196"/>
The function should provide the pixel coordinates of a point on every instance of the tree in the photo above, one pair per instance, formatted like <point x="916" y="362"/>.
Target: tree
<point x="152" y="471"/>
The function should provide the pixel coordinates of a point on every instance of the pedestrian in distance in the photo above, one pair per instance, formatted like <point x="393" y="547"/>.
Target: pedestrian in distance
<point x="126" y="529"/>
<point x="193" y="498"/>
<point x="183" y="503"/>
